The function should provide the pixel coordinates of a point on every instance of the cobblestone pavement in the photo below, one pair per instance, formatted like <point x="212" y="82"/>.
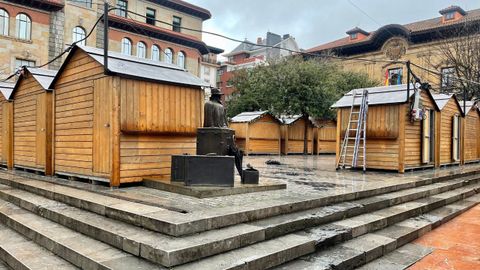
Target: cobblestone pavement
<point x="456" y="244"/>
<point x="307" y="177"/>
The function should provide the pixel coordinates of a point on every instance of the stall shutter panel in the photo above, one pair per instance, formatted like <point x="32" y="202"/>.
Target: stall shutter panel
<point x="426" y="137"/>
<point x="455" y="138"/>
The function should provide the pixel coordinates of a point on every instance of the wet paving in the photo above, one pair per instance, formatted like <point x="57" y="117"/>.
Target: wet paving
<point x="307" y="177"/>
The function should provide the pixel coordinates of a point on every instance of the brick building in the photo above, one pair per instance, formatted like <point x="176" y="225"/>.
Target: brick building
<point x="418" y="42"/>
<point x="250" y="54"/>
<point x="35" y="31"/>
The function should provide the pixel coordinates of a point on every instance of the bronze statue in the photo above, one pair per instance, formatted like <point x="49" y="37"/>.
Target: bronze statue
<point x="215" y="117"/>
<point x="214" y="111"/>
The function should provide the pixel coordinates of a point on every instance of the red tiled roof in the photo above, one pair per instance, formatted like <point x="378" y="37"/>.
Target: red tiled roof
<point x="416" y="27"/>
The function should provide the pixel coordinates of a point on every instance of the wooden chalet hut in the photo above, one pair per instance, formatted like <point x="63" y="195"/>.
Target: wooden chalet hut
<point x="257" y="132"/>
<point x="293" y="134"/>
<point x="394" y="140"/>
<point x="32" y="120"/>
<point x="122" y="122"/>
<point x="6" y="125"/>
<point x="325" y="137"/>
<point x="471" y="133"/>
<point x="448" y="128"/>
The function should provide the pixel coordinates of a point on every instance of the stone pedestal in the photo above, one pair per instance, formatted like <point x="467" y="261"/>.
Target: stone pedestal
<point x="214" y="140"/>
<point x="203" y="170"/>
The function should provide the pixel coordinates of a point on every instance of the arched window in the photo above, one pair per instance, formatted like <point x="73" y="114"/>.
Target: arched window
<point x="79" y="34"/>
<point x="24" y="26"/>
<point x="3" y="22"/>
<point x="141" y="50"/>
<point x="181" y="59"/>
<point x="168" y="55"/>
<point x="126" y="46"/>
<point x="155" y="53"/>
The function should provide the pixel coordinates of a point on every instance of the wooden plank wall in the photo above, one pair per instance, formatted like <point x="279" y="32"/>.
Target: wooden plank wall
<point x="382" y="153"/>
<point x="27" y="101"/>
<point x="446" y="131"/>
<point x="382" y="121"/>
<point x="157" y="121"/>
<point x="2" y="130"/>
<point x="153" y="108"/>
<point x="7" y="134"/>
<point x="326" y="137"/>
<point x="150" y="155"/>
<point x="471" y="136"/>
<point x="264" y="136"/>
<point x="293" y="138"/>
<point x="413" y="135"/>
<point x="74" y="109"/>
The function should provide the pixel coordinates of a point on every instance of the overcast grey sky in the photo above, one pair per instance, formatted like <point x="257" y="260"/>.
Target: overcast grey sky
<point x="312" y="22"/>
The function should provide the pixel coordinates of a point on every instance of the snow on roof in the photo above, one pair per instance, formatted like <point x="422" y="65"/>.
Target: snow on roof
<point x="377" y="96"/>
<point x="246" y="117"/>
<point x="6" y="88"/>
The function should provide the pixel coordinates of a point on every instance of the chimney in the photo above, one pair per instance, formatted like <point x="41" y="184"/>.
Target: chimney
<point x="259" y="40"/>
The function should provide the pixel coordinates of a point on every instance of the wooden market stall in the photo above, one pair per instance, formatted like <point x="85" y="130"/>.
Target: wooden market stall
<point x="293" y="134"/>
<point x="325" y="137"/>
<point x="471" y="133"/>
<point x="395" y="141"/>
<point x="449" y="117"/>
<point x="123" y="124"/>
<point x="6" y="125"/>
<point x="257" y="132"/>
<point x="32" y="120"/>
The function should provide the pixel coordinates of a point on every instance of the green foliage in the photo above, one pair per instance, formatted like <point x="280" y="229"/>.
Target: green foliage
<point x="293" y="86"/>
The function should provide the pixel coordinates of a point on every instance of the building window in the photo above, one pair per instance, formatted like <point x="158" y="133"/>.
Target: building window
<point x="141" y="50"/>
<point x="354" y="36"/>
<point x="168" y="55"/>
<point x="206" y="71"/>
<point x="449" y="16"/>
<point x="84" y="3"/>
<point x="126" y="46"/>
<point x="155" y="53"/>
<point x="79" y="35"/>
<point x="4" y="22"/>
<point x="151" y="16"/>
<point x="448" y="74"/>
<point x="123" y="4"/>
<point x="22" y="62"/>
<point x="181" y="59"/>
<point x="395" y="76"/>
<point x="24" y="26"/>
<point x="177" y="24"/>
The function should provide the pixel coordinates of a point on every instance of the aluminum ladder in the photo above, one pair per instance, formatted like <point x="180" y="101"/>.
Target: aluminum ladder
<point x="357" y="124"/>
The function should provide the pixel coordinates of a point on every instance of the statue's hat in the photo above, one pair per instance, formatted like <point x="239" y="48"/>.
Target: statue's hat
<point x="216" y="91"/>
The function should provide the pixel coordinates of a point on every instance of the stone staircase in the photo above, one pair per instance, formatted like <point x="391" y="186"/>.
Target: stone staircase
<point x="45" y="223"/>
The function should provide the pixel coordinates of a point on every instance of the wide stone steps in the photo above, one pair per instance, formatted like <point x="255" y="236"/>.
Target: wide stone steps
<point x="20" y="253"/>
<point x="271" y="253"/>
<point x="159" y="248"/>
<point x="179" y="224"/>
<point x="76" y="248"/>
<point x="170" y="251"/>
<point x="366" y="248"/>
<point x="280" y="225"/>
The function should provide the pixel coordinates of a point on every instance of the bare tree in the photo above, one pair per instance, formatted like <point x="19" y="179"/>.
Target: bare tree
<point x="460" y="50"/>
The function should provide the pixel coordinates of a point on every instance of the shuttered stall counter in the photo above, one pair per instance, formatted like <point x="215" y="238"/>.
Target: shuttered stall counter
<point x="123" y="126"/>
<point x="397" y="138"/>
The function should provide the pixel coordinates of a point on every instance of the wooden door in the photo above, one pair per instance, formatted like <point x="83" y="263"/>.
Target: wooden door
<point x="426" y="137"/>
<point x="102" y="109"/>
<point x="456" y="138"/>
<point x="41" y="130"/>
